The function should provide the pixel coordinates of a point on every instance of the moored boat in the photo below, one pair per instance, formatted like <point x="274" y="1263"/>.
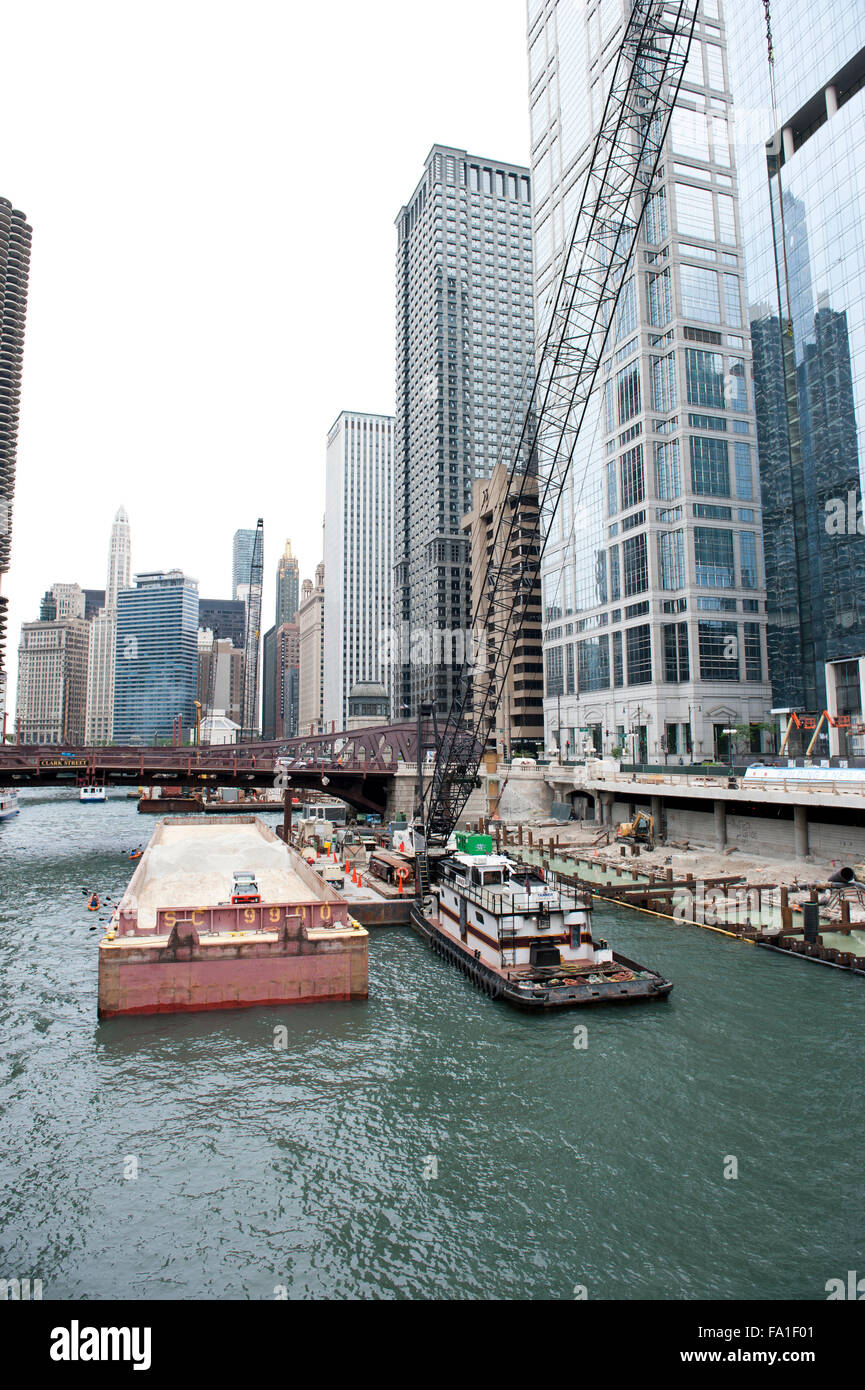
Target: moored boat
<point x="523" y="938"/>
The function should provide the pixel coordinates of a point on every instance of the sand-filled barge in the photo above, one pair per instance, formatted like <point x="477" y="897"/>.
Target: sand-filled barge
<point x="178" y="943"/>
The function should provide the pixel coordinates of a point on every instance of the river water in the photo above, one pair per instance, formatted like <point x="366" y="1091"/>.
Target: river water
<point x="428" y="1143"/>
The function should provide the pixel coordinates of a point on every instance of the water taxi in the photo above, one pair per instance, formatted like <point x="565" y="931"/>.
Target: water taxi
<point x="92" y="791"/>
<point x="524" y="938"/>
<point x="8" y="804"/>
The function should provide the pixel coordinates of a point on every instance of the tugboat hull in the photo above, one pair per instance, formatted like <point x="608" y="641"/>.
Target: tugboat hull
<point x="551" y="987"/>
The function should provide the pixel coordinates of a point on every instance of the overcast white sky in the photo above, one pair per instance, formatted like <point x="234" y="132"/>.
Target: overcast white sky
<point x="212" y="190"/>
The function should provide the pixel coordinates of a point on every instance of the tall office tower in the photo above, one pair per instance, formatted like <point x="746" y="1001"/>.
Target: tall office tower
<point x="225" y="617"/>
<point x="103" y="637"/>
<point x="654" y="605"/>
<point x="287" y="587"/>
<point x="156" y="657"/>
<point x="358" y="557"/>
<point x="15" y="236"/>
<point x="241" y="558"/>
<point x="519" y="725"/>
<point x="465" y="347"/>
<point x="310" y="624"/>
<point x="802" y="170"/>
<point x="50" y="702"/>
<point x="268" y="684"/>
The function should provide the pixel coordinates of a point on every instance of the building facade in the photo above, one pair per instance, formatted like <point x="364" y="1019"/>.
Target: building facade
<point x="225" y="618"/>
<point x="156" y="657"/>
<point x="310" y="650"/>
<point x="465" y="347"/>
<point x="358" y="557"/>
<point x="103" y="636"/>
<point x="287" y="587"/>
<point x="242" y="548"/>
<point x="502" y="527"/>
<point x="15" y="239"/>
<point x="802" y="169"/>
<point x="653" y="591"/>
<point x="51" y="700"/>
<point x="220" y="676"/>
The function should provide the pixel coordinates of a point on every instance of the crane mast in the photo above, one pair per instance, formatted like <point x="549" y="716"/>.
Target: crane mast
<point x="616" y="187"/>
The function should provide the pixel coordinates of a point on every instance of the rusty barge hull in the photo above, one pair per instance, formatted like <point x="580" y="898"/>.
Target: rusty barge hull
<point x="171" y="948"/>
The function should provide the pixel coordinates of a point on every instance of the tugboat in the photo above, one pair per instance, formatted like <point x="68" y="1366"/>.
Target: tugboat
<point x="92" y="791"/>
<point x="8" y="804"/>
<point x="523" y="938"/>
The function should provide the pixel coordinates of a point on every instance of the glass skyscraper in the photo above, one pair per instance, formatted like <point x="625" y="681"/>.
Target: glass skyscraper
<point x="242" y="548"/>
<point x="156" y="657"/>
<point x="465" y="345"/>
<point x="801" y="156"/>
<point x="653" y="598"/>
<point x="15" y="237"/>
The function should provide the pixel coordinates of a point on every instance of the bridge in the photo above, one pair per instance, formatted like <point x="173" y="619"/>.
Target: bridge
<point x="360" y="766"/>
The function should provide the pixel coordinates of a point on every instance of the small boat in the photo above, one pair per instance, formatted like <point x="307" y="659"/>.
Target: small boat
<point x="8" y="804"/>
<point x="92" y="791"/>
<point x="93" y="904"/>
<point x="136" y="853"/>
<point x="522" y="937"/>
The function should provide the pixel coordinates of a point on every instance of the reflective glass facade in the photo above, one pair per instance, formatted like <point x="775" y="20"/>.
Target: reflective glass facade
<point x="156" y="657"/>
<point x="650" y="536"/>
<point x="802" y="166"/>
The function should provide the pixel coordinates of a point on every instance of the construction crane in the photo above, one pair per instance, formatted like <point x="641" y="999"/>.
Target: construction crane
<point x="249" y="717"/>
<point x="617" y="184"/>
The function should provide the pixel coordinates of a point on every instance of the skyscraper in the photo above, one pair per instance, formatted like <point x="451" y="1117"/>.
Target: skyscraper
<point x="358" y="556"/>
<point x="15" y="237"/>
<point x="287" y="587"/>
<point x="156" y="657"/>
<point x="51" y="699"/>
<point x="242" y="549"/>
<point x="802" y="169"/>
<point x="310" y="623"/>
<point x="465" y="345"/>
<point x="103" y="637"/>
<point x="653" y="596"/>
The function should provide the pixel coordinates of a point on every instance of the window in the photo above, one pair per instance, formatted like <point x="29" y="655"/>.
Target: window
<point x="732" y="302"/>
<point x="744" y="476"/>
<point x="671" y="559"/>
<point x="554" y="671"/>
<point x="690" y="133"/>
<point x="726" y="219"/>
<point x="713" y="556"/>
<point x="639" y="652"/>
<point x="609" y="417"/>
<point x="618" y="670"/>
<point x="668" y="479"/>
<point x="700" y="293"/>
<point x="615" y="579"/>
<point x="710" y="468"/>
<point x="628" y="392"/>
<point x="705" y="378"/>
<point x="656" y="220"/>
<point x="612" y="500"/>
<point x="719" y="651"/>
<point x="748" y="559"/>
<point x="635" y="565"/>
<point x="676" y="663"/>
<point x="694" y="211"/>
<point x="632" y="479"/>
<point x="736" y="390"/>
<point x="753" y="653"/>
<point x="626" y="310"/>
<point x="660" y="298"/>
<point x="664" y="382"/>
<point x="593" y="663"/>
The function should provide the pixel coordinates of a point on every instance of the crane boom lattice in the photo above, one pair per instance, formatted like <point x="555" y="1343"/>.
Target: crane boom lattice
<point x="616" y="188"/>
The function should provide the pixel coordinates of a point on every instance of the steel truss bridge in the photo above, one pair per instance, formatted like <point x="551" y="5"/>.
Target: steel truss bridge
<point x="357" y="765"/>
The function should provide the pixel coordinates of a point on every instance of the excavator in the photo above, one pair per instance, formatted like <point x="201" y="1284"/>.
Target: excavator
<point x="639" y="831"/>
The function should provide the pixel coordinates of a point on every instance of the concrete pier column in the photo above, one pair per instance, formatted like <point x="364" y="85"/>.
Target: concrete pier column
<point x="800" y="831"/>
<point x="658" y="818"/>
<point x="607" y="799"/>
<point x="720" y="824"/>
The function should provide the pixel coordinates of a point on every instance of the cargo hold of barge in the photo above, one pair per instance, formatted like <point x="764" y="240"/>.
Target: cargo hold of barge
<point x="176" y="943"/>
